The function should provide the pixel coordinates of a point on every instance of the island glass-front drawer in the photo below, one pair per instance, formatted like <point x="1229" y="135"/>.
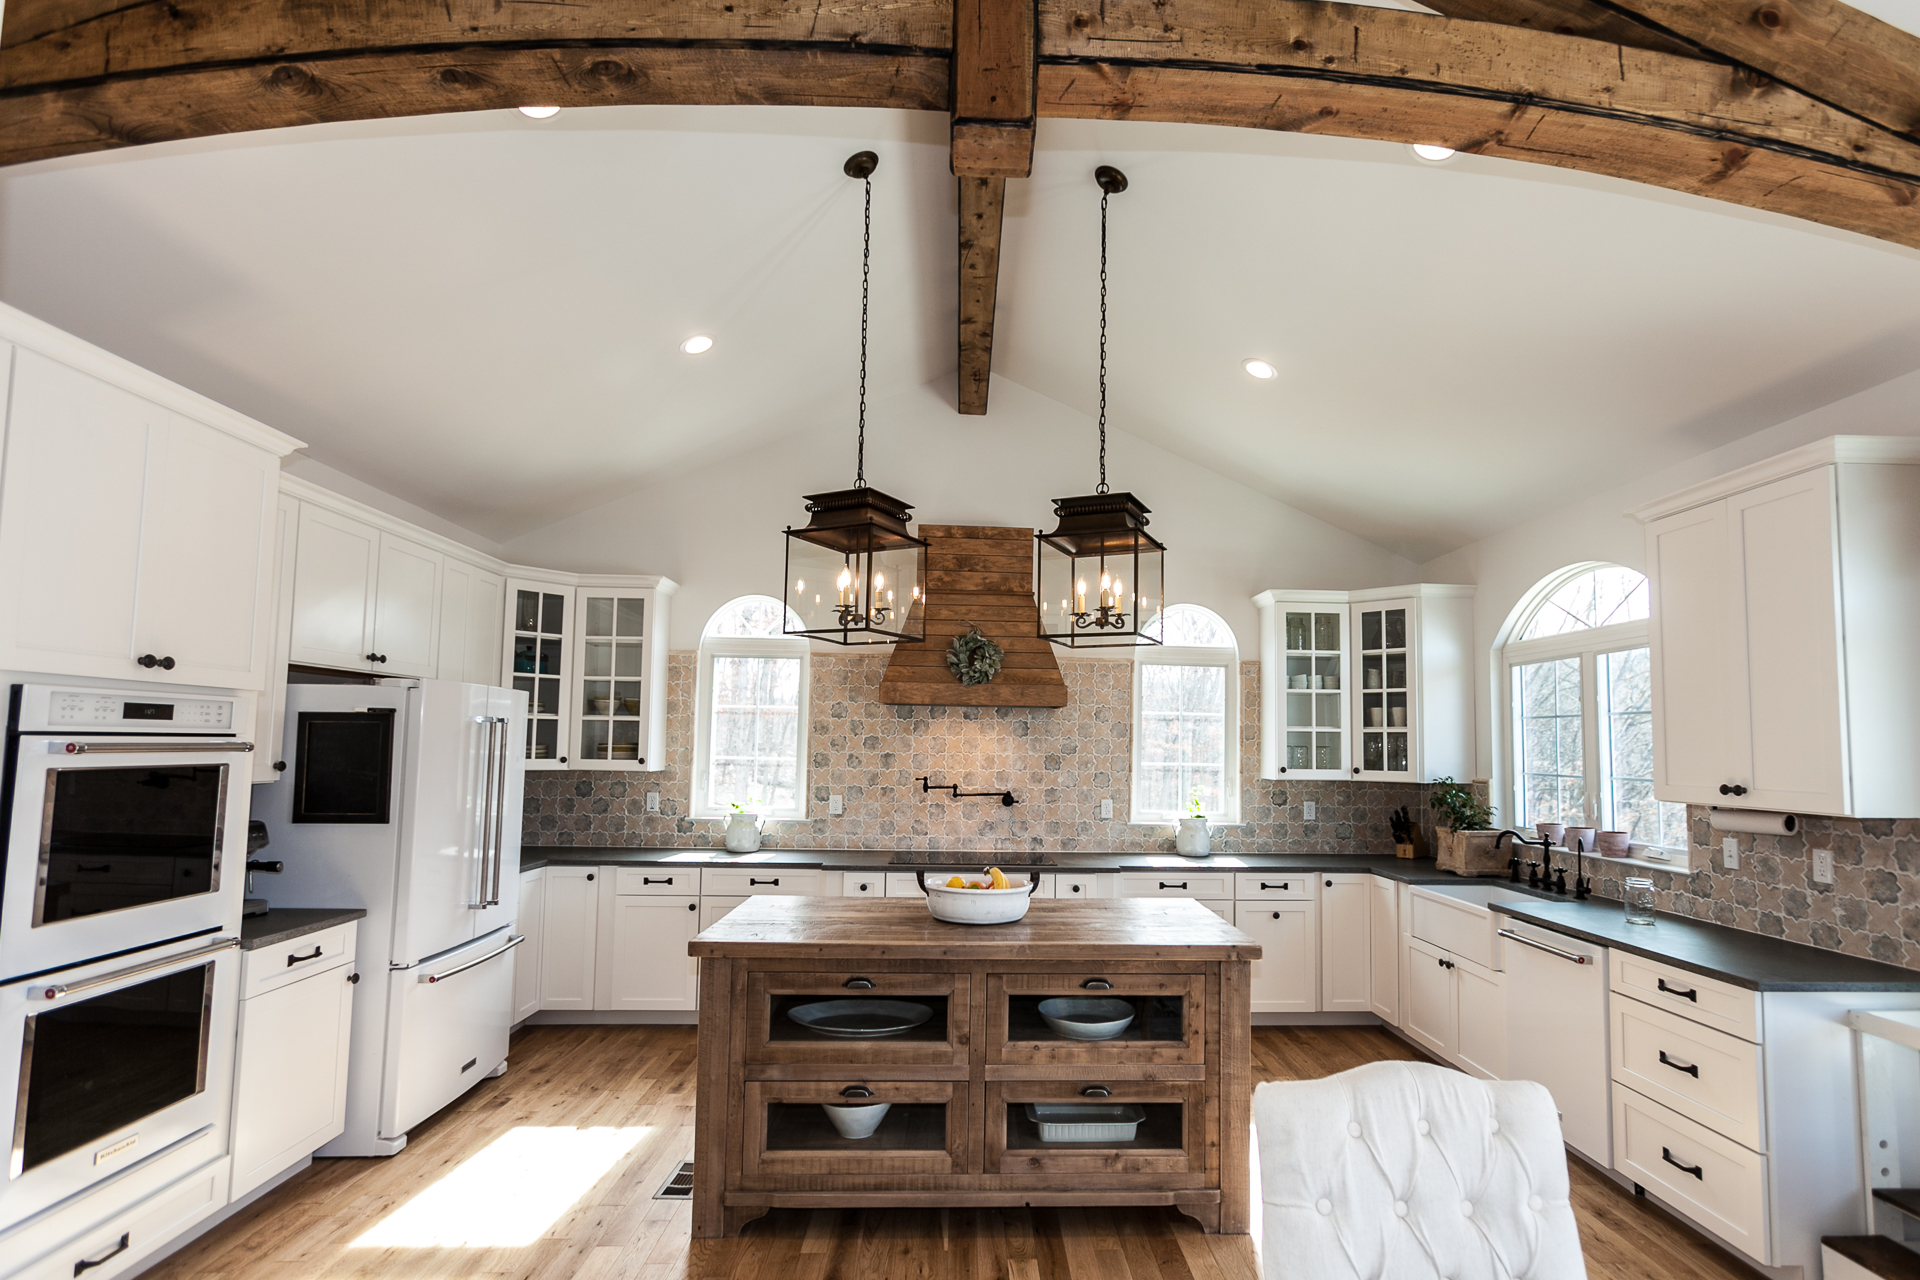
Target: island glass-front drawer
<point x="790" y="1134"/>
<point x="844" y="1016"/>
<point x="1030" y="1122"/>
<point x="1162" y="1012"/>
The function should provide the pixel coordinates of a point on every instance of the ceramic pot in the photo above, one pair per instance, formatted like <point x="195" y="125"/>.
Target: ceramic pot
<point x="1581" y="837"/>
<point x="743" y="833"/>
<point x="1554" y="831"/>
<point x="1193" y="839"/>
<point x="856" y="1122"/>
<point x="1614" y="844"/>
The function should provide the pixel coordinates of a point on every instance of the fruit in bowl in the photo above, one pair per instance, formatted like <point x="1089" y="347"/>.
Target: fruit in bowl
<point x="968" y="900"/>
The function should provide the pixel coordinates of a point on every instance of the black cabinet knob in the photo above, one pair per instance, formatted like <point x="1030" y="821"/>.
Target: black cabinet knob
<point x="1356" y="771"/>
<point x="1329" y="884"/>
<point x="1283" y="768"/>
<point x="149" y="661"/>
<point x="589" y="875"/>
<point x="693" y="906"/>
<point x="353" y="979"/>
<point x="279" y="766"/>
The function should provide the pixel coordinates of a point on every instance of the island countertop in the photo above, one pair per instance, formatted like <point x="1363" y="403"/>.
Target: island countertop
<point x="1125" y="928"/>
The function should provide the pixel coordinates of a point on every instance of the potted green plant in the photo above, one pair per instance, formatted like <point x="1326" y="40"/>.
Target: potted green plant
<point x="1193" y="839"/>
<point x="1464" y="832"/>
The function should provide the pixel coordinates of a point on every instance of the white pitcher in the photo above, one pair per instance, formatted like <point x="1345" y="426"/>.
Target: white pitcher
<point x="1193" y="839"/>
<point x="743" y="833"/>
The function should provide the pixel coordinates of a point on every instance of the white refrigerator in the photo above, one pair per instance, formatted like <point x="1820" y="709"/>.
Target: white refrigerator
<point x="404" y="797"/>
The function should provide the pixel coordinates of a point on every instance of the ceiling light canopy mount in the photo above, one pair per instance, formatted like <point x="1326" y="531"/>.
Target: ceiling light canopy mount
<point x="854" y="573"/>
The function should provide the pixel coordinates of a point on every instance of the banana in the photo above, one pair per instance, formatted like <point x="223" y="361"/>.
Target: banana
<point x="999" y="878"/>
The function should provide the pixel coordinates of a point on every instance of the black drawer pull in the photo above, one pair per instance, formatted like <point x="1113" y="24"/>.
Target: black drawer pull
<point x="1075" y="888"/>
<point x="293" y="960"/>
<point x="1283" y="885"/>
<point x="863" y="886"/>
<point x="858" y="984"/>
<point x="148" y="661"/>
<point x="1735" y="790"/>
<point x="1682" y="992"/>
<point x="85" y="1265"/>
<point x="856" y="1091"/>
<point x="775" y="882"/>
<point x="646" y="880"/>
<point x="1096" y="1091"/>
<point x="1693" y="1169"/>
<point x="1165" y="885"/>
<point x="1691" y="1068"/>
<point x="1096" y="984"/>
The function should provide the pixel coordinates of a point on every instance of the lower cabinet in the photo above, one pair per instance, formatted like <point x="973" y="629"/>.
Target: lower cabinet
<point x="1456" y="1009"/>
<point x="642" y="961"/>
<point x="526" y="957"/>
<point x="1712" y="1179"/>
<point x="569" y="921"/>
<point x="1286" y="978"/>
<point x="1383" y="948"/>
<point x="1346" y="910"/>
<point x="1429" y="1013"/>
<point x="290" y="1075"/>
<point x="712" y="909"/>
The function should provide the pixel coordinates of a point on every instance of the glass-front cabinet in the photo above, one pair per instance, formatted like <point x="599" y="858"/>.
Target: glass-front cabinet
<point x="1316" y="671"/>
<point x="1384" y="723"/>
<point x="539" y="628"/>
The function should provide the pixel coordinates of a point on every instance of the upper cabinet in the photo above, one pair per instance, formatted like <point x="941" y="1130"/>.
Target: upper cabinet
<point x="1784" y="602"/>
<point x="364" y="599"/>
<point x="539" y="662"/>
<point x="620" y="670"/>
<point x="472" y="612"/>
<point x="1374" y="684"/>
<point x="137" y="522"/>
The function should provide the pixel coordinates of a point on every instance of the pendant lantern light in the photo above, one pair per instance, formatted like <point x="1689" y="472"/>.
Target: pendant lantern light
<point x="1100" y="576"/>
<point x="855" y="574"/>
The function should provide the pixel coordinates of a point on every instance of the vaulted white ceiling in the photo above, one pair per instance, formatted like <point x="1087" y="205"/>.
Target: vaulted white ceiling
<point x="480" y="313"/>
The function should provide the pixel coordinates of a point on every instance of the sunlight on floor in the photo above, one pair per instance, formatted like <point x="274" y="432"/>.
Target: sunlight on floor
<point x="507" y="1194"/>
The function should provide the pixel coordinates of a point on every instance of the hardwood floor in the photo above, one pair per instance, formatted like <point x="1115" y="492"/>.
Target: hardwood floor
<point x="633" y="1078"/>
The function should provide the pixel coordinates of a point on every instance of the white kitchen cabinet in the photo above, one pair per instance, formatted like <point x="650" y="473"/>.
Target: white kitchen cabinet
<point x="539" y="660"/>
<point x="472" y="612"/>
<point x="569" y="924"/>
<point x="712" y="909"/>
<point x="130" y="530"/>
<point x="406" y="603"/>
<point x="364" y="599"/>
<point x="1383" y="948"/>
<point x="1429" y="1008"/>
<point x="619" y="677"/>
<point x="1480" y="1019"/>
<point x="530" y="921"/>
<point x="643" y="961"/>
<point x="1304" y="721"/>
<point x="270" y="712"/>
<point x="290" y="1073"/>
<point x="1346" y="945"/>
<point x="1783" y="606"/>
<point x="1286" y="978"/>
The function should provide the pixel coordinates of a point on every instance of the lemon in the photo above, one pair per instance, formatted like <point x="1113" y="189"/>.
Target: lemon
<point x="956" y="883"/>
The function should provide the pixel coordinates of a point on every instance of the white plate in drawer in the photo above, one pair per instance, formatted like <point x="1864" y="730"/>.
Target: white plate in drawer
<point x="1713" y="1180"/>
<point x="1706" y="1075"/>
<point x="1732" y="1009"/>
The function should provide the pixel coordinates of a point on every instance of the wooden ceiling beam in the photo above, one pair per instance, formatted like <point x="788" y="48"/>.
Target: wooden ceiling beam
<point x="1585" y="18"/>
<point x="995" y="71"/>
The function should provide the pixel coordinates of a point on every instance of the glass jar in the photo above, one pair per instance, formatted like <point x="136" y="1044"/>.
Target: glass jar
<point x="1639" y="900"/>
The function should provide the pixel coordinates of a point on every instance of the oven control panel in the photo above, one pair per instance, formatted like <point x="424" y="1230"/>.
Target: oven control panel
<point x="95" y="709"/>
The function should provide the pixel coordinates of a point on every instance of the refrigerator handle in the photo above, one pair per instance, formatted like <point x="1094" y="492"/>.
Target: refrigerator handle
<point x="483" y="869"/>
<point x="497" y="765"/>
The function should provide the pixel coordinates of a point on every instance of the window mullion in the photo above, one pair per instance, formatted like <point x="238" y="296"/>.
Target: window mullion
<point x="1590" y="736"/>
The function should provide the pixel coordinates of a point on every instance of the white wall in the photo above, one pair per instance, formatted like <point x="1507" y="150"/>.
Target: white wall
<point x="717" y="529"/>
<point x="1595" y="527"/>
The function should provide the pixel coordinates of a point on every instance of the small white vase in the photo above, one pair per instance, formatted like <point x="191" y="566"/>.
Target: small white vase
<point x="1193" y="838"/>
<point x="743" y="833"/>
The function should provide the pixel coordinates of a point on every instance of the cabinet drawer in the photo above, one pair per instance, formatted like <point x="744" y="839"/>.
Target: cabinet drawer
<point x="785" y="881"/>
<point x="1708" y="1001"/>
<point x="267" y="968"/>
<point x="1078" y="886"/>
<point x="1176" y="883"/>
<point x="902" y="884"/>
<point x="789" y="1135"/>
<point x="1291" y="885"/>
<point x="675" y="882"/>
<point x="122" y="1245"/>
<point x="1169" y="1139"/>
<point x="1706" y="1075"/>
<point x="1717" y="1182"/>
<point x="772" y="1036"/>
<point x="863" y="884"/>
<point x="1167" y="1025"/>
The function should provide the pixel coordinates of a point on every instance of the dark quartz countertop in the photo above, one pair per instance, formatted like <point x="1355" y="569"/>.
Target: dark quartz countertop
<point x="282" y="924"/>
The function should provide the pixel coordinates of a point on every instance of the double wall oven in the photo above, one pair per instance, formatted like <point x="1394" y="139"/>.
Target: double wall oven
<point x="123" y="821"/>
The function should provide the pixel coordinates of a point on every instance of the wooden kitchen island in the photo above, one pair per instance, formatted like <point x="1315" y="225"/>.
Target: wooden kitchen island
<point x="957" y="1133"/>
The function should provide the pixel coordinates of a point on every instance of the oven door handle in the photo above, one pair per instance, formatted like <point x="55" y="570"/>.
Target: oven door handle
<point x="64" y="990"/>
<point x="442" y="976"/>
<point x="145" y="748"/>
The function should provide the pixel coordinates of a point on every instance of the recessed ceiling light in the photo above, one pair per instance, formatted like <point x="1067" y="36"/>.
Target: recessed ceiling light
<point x="540" y="113"/>
<point x="1260" y="369"/>
<point x="1431" y="153"/>
<point x="696" y="344"/>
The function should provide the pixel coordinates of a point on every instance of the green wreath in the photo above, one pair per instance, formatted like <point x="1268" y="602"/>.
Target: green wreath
<point x="973" y="658"/>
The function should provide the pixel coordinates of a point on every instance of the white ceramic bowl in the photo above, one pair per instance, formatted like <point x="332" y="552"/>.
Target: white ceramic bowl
<point x="978" y="906"/>
<point x="1087" y="1017"/>
<point x="856" y="1122"/>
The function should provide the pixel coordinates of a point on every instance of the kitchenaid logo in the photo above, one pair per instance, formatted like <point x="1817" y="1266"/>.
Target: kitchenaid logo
<point x="125" y="1144"/>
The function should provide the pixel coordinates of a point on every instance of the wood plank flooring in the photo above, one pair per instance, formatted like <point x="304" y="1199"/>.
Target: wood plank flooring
<point x="630" y="1077"/>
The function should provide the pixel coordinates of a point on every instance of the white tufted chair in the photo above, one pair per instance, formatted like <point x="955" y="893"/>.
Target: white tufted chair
<point x="1408" y="1171"/>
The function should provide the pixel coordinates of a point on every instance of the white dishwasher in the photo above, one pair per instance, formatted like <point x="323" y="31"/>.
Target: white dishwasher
<point x="1557" y="1030"/>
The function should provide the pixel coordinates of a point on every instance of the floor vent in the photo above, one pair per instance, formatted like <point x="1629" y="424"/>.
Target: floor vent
<point x="680" y="1185"/>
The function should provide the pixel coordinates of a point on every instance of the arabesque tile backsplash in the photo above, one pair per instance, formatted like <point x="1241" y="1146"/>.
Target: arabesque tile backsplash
<point x="1061" y="763"/>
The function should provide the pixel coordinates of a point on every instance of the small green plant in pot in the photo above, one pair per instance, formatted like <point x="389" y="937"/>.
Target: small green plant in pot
<point x="1192" y="838"/>
<point x="1459" y="808"/>
<point x="1465" y="836"/>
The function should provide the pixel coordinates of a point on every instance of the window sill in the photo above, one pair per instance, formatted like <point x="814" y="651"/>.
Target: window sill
<point x="1681" y="865"/>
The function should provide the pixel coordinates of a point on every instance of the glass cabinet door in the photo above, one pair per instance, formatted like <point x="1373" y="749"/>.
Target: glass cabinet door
<point x="1385" y="706"/>
<point x="1316" y="711"/>
<point x="537" y="656"/>
<point x="611" y="679"/>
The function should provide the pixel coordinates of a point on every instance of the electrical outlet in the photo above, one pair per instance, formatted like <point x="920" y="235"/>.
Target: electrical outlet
<point x="653" y="802"/>
<point x="1106" y="808"/>
<point x="1308" y="809"/>
<point x="1730" y="853"/>
<point x="836" y="804"/>
<point x="1823" y="866"/>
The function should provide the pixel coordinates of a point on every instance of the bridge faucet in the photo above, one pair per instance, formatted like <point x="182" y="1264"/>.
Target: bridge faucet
<point x="1534" y="875"/>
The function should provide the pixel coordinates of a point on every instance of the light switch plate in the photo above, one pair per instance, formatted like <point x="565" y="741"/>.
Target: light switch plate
<point x="1823" y="866"/>
<point x="836" y="803"/>
<point x="1106" y="808"/>
<point x="1308" y="809"/>
<point x="1730" y="853"/>
<point x="653" y="802"/>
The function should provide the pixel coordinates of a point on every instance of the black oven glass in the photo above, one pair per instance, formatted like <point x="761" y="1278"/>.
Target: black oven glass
<point x="103" y="1063"/>
<point x="343" y="768"/>
<point x="119" y="838"/>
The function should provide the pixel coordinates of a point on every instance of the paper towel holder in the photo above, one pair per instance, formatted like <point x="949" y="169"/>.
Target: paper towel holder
<point x="1753" y="821"/>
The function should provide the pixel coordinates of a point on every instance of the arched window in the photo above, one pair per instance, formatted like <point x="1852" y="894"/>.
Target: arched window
<point x="750" y="722"/>
<point x="1580" y="707"/>
<point x="1186" y="698"/>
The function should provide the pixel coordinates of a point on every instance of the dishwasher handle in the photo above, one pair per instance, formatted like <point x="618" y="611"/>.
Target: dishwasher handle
<point x="1525" y="941"/>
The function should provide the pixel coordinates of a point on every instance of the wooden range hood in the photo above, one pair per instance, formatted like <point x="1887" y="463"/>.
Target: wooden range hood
<point x="977" y="576"/>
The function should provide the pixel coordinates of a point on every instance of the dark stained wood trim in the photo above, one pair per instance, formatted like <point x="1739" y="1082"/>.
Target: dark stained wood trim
<point x="982" y="204"/>
<point x="994" y="48"/>
<point x="1588" y="18"/>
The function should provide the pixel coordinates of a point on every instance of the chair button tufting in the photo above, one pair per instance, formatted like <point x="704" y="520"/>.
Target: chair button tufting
<point x="1493" y="1126"/>
<point x="1399" y="1208"/>
<point x="1466" y="1208"/>
<point x="1353" y="1130"/>
<point x="1424" y="1127"/>
<point x="1534" y="1203"/>
<point x="1324" y="1206"/>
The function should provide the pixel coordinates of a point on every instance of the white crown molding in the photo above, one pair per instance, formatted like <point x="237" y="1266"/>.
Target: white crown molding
<point x="1872" y="450"/>
<point x="23" y="330"/>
